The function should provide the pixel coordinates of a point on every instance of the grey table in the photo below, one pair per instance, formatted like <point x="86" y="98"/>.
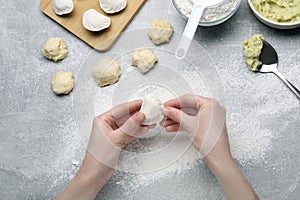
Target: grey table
<point x="40" y="150"/>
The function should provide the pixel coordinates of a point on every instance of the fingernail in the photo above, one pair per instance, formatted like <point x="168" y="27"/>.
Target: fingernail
<point x="152" y="126"/>
<point x="161" y="123"/>
<point x="165" y="111"/>
<point x="139" y="117"/>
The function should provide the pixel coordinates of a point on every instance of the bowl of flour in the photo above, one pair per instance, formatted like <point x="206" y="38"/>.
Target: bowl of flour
<point x="212" y="16"/>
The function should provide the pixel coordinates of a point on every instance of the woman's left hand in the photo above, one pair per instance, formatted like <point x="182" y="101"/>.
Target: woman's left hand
<point x="114" y="129"/>
<point x="111" y="131"/>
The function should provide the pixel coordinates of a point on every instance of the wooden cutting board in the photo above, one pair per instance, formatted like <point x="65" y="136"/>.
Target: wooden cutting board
<point x="103" y="40"/>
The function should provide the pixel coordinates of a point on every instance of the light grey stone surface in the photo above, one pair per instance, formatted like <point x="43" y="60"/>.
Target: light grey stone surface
<point x="39" y="145"/>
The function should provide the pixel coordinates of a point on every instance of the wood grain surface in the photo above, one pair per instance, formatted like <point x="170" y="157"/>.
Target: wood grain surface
<point x="103" y="40"/>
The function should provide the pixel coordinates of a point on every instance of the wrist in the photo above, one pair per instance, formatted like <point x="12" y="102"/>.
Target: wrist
<point x="224" y="169"/>
<point x="231" y="179"/>
<point x="220" y="163"/>
<point x="90" y="178"/>
<point x="93" y="172"/>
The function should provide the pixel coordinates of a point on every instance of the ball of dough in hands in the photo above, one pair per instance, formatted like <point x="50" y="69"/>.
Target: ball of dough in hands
<point x="151" y="107"/>
<point x="106" y="72"/>
<point x="55" y="49"/>
<point x="144" y="59"/>
<point x="160" y="31"/>
<point x="62" y="82"/>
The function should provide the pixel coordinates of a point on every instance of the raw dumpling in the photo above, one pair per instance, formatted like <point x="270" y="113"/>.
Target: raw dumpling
<point x="95" y="21"/>
<point x="55" y="49"/>
<point x="63" y="7"/>
<point x="160" y="31"/>
<point x="112" y="6"/>
<point x="62" y="82"/>
<point x="106" y="72"/>
<point x="151" y="107"/>
<point x="144" y="59"/>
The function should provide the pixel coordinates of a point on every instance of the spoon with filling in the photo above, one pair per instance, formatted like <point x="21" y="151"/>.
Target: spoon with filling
<point x="269" y="60"/>
<point x="192" y="24"/>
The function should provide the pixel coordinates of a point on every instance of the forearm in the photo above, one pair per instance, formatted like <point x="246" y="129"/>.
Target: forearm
<point x="232" y="181"/>
<point x="89" y="180"/>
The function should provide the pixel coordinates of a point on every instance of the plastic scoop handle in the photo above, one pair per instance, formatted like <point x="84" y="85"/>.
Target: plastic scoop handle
<point x="189" y="31"/>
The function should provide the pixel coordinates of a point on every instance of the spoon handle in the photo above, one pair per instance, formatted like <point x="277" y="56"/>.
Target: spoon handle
<point x="189" y="31"/>
<point x="290" y="85"/>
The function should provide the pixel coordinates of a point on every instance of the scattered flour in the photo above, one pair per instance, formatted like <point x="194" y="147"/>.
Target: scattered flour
<point x="163" y="155"/>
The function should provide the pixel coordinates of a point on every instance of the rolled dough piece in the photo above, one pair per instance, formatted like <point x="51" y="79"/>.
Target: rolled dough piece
<point x="151" y="107"/>
<point x="106" y="72"/>
<point x="144" y="59"/>
<point x="160" y="31"/>
<point x="62" y="82"/>
<point x="55" y="49"/>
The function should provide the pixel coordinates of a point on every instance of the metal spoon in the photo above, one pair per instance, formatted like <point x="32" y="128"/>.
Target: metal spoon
<point x="192" y="24"/>
<point x="269" y="60"/>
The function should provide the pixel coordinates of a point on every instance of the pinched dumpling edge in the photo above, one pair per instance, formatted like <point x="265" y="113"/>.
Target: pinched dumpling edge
<point x="91" y="27"/>
<point x="120" y="5"/>
<point x="60" y="11"/>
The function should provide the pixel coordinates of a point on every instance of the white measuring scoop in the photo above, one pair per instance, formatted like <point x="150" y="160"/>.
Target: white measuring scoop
<point x="192" y="24"/>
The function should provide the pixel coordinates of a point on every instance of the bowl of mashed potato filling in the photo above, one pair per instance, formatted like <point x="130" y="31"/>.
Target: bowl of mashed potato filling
<point x="280" y="14"/>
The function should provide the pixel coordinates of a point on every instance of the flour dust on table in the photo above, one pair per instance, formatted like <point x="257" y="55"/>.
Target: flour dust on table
<point x="160" y="155"/>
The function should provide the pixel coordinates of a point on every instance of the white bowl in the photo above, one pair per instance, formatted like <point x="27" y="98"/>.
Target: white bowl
<point x="210" y="23"/>
<point x="273" y="24"/>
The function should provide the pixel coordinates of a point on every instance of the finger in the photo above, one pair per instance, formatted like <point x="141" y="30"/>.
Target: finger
<point x="152" y="126"/>
<point x="140" y="131"/>
<point x="132" y="124"/>
<point x="178" y="116"/>
<point x="172" y="128"/>
<point x="167" y="122"/>
<point x="188" y="100"/>
<point x="125" y="139"/>
<point x="126" y="109"/>
<point x="120" y="121"/>
<point x="190" y="111"/>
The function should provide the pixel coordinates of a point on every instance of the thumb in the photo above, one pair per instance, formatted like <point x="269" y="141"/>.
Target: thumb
<point x="178" y="116"/>
<point x="133" y="124"/>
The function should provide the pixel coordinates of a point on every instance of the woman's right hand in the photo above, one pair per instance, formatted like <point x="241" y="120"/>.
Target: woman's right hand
<point x="204" y="119"/>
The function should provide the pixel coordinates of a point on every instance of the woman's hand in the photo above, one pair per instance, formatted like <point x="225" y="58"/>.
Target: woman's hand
<point x="111" y="131"/>
<point x="114" y="129"/>
<point x="204" y="119"/>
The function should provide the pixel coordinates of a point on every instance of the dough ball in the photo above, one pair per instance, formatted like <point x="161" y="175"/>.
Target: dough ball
<point x="62" y="82"/>
<point x="160" y="31"/>
<point x="151" y="107"/>
<point x="106" y="72"/>
<point x="55" y="49"/>
<point x="144" y="59"/>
